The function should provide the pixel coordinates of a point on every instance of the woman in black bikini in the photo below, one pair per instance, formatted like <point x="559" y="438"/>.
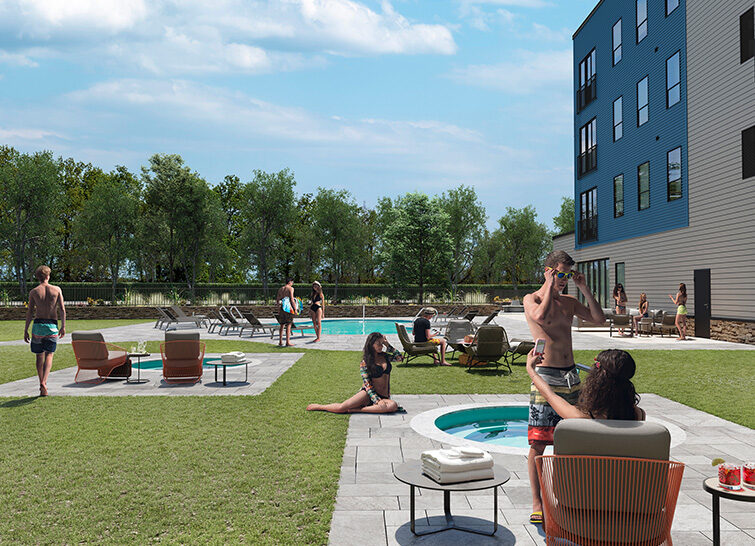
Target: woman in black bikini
<point x="621" y="302"/>
<point x="643" y="309"/>
<point x="316" y="312"/>
<point x="375" y="395"/>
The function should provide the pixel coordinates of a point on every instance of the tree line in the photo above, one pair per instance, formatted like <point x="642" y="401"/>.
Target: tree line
<point x="167" y="224"/>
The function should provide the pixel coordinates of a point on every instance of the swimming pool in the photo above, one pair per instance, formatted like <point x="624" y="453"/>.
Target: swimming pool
<point x="359" y="327"/>
<point x="157" y="364"/>
<point x="498" y="425"/>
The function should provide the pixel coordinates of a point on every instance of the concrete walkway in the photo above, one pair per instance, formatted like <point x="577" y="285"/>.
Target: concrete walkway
<point x="372" y="507"/>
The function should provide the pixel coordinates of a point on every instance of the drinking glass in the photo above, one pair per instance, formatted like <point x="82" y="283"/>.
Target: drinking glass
<point x="142" y="346"/>
<point x="729" y="476"/>
<point x="748" y="475"/>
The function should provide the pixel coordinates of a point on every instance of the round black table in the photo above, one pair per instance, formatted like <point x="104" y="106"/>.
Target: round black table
<point x="411" y="474"/>
<point x="138" y="357"/>
<point x="219" y="362"/>
<point x="712" y="487"/>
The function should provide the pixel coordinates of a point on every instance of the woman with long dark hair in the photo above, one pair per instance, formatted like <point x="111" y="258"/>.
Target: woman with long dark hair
<point x="316" y="310"/>
<point x="642" y="307"/>
<point x="607" y="393"/>
<point x="681" y="311"/>
<point x="375" y="369"/>
<point x="620" y="297"/>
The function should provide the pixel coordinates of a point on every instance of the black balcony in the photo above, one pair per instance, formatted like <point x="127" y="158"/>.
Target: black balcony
<point x="586" y="94"/>
<point x="587" y="161"/>
<point x="588" y="229"/>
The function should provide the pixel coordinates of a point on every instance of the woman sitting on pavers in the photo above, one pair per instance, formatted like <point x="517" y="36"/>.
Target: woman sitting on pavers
<point x="375" y="395"/>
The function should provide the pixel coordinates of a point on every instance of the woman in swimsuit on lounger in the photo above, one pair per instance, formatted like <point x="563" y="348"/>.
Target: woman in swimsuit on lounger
<point x="375" y="395"/>
<point x="607" y="393"/>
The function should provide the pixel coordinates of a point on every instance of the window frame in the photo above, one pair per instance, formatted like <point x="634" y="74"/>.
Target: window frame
<point x="678" y="84"/>
<point x="588" y="144"/>
<point x="646" y="106"/>
<point x="640" y="191"/>
<point x="668" y="174"/>
<point x="588" y="202"/>
<point x="748" y="160"/>
<point x="620" y="123"/>
<point x="672" y="9"/>
<point x="617" y="47"/>
<point x="747" y="43"/>
<point x="638" y="23"/>
<point x="616" y="212"/>
<point x="616" y="278"/>
<point x="586" y="89"/>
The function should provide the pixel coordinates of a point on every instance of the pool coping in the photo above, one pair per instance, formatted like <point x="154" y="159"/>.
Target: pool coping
<point x="424" y="424"/>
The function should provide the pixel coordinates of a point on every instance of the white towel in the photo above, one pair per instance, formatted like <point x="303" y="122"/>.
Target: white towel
<point x="232" y="357"/>
<point x="458" y="477"/>
<point x="456" y="460"/>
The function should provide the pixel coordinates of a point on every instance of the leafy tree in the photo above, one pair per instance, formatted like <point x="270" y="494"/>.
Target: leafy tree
<point x="106" y="225"/>
<point x="564" y="222"/>
<point x="269" y="208"/>
<point x="524" y="243"/>
<point x="30" y="195"/>
<point x="227" y="263"/>
<point x="416" y="243"/>
<point x="466" y="224"/>
<point x="368" y="260"/>
<point x="337" y="224"/>
<point x="305" y="249"/>
<point x="487" y="266"/>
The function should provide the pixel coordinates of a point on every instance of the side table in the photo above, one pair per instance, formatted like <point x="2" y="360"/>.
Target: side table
<point x="711" y="486"/>
<point x="411" y="474"/>
<point x="138" y="357"/>
<point x="219" y="362"/>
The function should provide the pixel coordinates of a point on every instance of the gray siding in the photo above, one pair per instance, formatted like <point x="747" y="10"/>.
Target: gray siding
<point x="721" y="103"/>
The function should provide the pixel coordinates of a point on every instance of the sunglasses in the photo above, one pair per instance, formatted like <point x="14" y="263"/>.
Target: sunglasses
<point x="561" y="274"/>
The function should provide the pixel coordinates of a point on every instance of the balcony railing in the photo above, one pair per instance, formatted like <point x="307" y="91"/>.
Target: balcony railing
<point x="588" y="229"/>
<point x="587" y="161"/>
<point x="586" y="94"/>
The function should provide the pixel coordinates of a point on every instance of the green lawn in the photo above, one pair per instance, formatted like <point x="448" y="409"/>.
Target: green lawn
<point x="14" y="329"/>
<point x="244" y="469"/>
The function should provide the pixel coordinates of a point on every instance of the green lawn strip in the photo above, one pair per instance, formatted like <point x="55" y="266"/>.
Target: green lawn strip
<point x="212" y="469"/>
<point x="11" y="330"/>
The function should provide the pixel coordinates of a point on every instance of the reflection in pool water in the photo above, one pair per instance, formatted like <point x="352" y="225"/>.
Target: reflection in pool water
<point x="498" y="425"/>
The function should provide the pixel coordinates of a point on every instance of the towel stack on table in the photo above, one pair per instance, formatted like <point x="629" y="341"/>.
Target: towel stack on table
<point x="232" y="358"/>
<point x="459" y="464"/>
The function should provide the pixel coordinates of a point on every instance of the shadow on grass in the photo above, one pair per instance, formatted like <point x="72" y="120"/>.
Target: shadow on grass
<point x="489" y="372"/>
<point x="18" y="402"/>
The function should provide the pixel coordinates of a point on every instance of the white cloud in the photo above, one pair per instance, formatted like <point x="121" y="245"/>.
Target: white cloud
<point x="26" y="134"/>
<point x="17" y="59"/>
<point x="529" y="72"/>
<point x="516" y="3"/>
<point x="46" y="16"/>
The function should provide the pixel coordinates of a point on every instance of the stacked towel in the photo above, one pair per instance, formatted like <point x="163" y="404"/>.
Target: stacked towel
<point x="233" y="357"/>
<point x="461" y="464"/>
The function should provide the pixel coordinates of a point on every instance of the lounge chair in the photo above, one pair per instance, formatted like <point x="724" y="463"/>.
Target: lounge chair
<point x="413" y="350"/>
<point x="421" y="311"/>
<point x="163" y="319"/>
<point x="609" y="482"/>
<point x="254" y="324"/>
<point x="455" y="332"/>
<point x="519" y="349"/>
<point x="668" y="324"/>
<point x="229" y="322"/>
<point x="294" y="326"/>
<point x="620" y="322"/>
<point x="451" y="313"/>
<point x="490" y="345"/>
<point x="215" y="320"/>
<point x="487" y="320"/>
<point x="470" y="315"/>
<point x="182" y="354"/>
<point x="179" y="313"/>
<point x="92" y="353"/>
<point x="172" y="318"/>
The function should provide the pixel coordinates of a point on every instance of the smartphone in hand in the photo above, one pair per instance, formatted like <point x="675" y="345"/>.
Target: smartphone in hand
<point x="540" y="346"/>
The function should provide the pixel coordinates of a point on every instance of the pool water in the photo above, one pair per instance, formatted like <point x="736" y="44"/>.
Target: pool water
<point x="498" y="425"/>
<point x="158" y="364"/>
<point x="360" y="326"/>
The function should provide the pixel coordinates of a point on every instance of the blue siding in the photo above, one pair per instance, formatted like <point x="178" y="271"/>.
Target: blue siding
<point x="665" y="130"/>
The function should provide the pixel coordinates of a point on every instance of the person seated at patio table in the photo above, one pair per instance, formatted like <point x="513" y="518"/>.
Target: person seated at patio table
<point x="375" y="369"/>
<point x="423" y="334"/>
<point x="607" y="393"/>
<point x="643" y="309"/>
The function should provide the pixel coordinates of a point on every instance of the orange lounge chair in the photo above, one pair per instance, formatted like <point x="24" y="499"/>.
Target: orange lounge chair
<point x="92" y="353"/>
<point x="182" y="355"/>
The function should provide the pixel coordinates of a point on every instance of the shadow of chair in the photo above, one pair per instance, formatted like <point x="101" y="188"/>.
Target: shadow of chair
<point x="93" y="353"/>
<point x="182" y="354"/>
<point x="609" y="482"/>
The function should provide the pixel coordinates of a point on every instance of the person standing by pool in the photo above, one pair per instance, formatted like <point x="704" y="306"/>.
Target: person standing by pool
<point x="549" y="315"/>
<point x="375" y="369"/>
<point x="286" y="318"/>
<point x="681" y="311"/>
<point x="44" y="302"/>
<point x="317" y="310"/>
<point x="423" y="334"/>
<point x="620" y="297"/>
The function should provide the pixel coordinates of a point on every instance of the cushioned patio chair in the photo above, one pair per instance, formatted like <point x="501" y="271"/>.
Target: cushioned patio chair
<point x="413" y="350"/>
<point x="609" y="483"/>
<point x="455" y="332"/>
<point x="182" y="354"/>
<point x="620" y="322"/>
<point x="490" y="345"/>
<point x="668" y="324"/>
<point x="93" y="353"/>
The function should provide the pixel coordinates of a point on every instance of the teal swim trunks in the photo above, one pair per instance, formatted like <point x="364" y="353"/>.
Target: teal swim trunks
<point x="44" y="336"/>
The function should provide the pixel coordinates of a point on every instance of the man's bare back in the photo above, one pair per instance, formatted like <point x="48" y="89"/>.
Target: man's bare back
<point x="45" y="301"/>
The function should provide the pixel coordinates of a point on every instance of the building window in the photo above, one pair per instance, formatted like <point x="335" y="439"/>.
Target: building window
<point x="617" y="42"/>
<point x="588" y="216"/>
<point x="671" y="5"/>
<point x="642" y="101"/>
<point x="588" y="148"/>
<point x="620" y="277"/>
<point x="642" y="20"/>
<point x="643" y="186"/>
<point x="596" y="275"/>
<point x="673" y="80"/>
<point x="587" y="90"/>
<point x="618" y="196"/>
<point x="748" y="152"/>
<point x="618" y="119"/>
<point x="674" y="173"/>
<point x="747" y="35"/>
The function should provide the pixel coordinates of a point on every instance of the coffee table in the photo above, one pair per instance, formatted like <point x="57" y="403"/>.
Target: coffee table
<point x="219" y="362"/>
<point x="138" y="357"/>
<point x="410" y="473"/>
<point x="711" y="486"/>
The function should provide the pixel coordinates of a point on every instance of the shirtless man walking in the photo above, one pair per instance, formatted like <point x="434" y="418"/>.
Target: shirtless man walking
<point x="44" y="302"/>
<point x="549" y="315"/>
<point x="286" y="319"/>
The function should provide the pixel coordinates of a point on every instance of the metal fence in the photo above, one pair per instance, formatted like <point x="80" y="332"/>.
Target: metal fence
<point x="150" y="294"/>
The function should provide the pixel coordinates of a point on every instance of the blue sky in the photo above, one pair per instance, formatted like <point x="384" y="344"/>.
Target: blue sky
<point x="376" y="97"/>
